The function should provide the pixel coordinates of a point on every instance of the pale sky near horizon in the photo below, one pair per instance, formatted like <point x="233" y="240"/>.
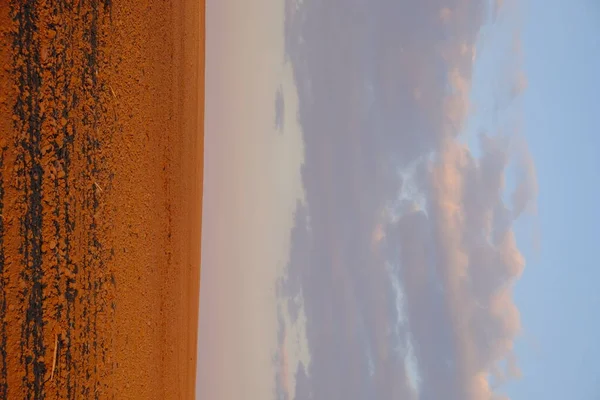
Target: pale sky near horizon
<point x="399" y="200"/>
<point x="251" y="185"/>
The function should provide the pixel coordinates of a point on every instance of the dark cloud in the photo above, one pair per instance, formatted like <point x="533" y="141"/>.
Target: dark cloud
<point x="383" y="85"/>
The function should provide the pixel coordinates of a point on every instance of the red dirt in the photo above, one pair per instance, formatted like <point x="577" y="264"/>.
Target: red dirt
<point x="101" y="126"/>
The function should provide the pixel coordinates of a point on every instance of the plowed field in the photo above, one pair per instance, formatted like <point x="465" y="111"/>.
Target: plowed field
<point x="101" y="114"/>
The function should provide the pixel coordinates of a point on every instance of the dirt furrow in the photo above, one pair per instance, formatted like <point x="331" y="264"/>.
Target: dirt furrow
<point x="100" y="181"/>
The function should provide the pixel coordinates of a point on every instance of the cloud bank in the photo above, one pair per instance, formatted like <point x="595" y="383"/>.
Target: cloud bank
<point x="403" y="252"/>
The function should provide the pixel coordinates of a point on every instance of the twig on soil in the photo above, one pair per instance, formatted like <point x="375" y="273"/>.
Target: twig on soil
<point x="98" y="186"/>
<point x="54" y="361"/>
<point x="112" y="91"/>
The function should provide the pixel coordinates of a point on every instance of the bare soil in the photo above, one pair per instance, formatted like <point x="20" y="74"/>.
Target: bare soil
<point x="101" y="143"/>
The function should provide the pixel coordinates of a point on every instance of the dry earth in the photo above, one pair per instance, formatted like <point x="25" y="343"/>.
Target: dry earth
<point x="101" y="127"/>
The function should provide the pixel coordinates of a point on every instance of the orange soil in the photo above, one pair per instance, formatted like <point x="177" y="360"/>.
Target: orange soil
<point x="101" y="127"/>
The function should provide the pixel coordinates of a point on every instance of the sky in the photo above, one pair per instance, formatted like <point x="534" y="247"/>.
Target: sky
<point x="251" y="185"/>
<point x="557" y="296"/>
<point x="399" y="200"/>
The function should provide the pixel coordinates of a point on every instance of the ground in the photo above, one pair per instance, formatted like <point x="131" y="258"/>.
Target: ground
<point x="101" y="126"/>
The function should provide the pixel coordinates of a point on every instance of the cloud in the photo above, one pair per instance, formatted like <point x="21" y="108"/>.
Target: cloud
<point x="459" y="260"/>
<point x="527" y="189"/>
<point x="498" y="5"/>
<point x="475" y="275"/>
<point x="383" y="89"/>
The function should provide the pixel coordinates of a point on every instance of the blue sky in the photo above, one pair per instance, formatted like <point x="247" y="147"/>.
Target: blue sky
<point x="558" y="295"/>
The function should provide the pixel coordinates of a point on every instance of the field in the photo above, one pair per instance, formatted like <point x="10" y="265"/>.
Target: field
<point x="101" y="164"/>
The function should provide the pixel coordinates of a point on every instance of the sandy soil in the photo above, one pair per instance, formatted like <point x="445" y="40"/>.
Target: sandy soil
<point x="101" y="115"/>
